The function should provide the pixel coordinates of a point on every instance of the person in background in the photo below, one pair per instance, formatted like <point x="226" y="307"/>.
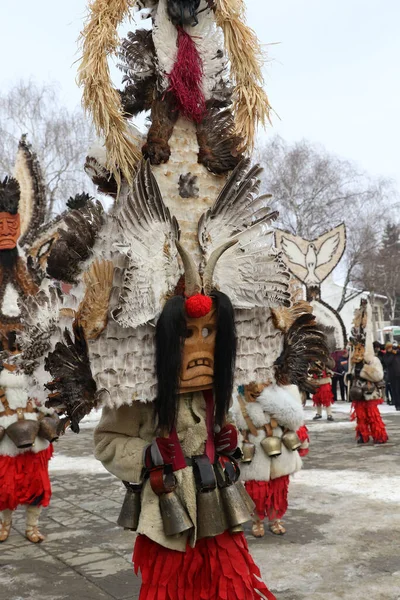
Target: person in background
<point x="380" y="352"/>
<point x="392" y="364"/>
<point x="341" y="358"/>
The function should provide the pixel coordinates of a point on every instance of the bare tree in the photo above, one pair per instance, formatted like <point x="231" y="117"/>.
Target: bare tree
<point x="314" y="191"/>
<point x="59" y="136"/>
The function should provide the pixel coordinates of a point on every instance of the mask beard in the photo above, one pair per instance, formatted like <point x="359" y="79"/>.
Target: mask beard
<point x="8" y="258"/>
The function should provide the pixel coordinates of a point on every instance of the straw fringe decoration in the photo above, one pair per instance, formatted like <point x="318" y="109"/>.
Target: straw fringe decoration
<point x="99" y="40"/>
<point x="250" y="102"/>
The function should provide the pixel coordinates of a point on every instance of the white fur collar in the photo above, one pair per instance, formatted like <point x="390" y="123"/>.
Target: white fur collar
<point x="282" y="406"/>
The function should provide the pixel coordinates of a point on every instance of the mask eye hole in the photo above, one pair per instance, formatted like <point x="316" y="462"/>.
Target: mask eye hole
<point x="189" y="333"/>
<point x="205" y="332"/>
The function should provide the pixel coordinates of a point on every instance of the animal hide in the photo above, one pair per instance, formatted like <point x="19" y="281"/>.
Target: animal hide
<point x="372" y="371"/>
<point x="279" y="404"/>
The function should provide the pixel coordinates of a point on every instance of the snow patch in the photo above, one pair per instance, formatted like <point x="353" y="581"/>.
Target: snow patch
<point x="359" y="483"/>
<point x="85" y="464"/>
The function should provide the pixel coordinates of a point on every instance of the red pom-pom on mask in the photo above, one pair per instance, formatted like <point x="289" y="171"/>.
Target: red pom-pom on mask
<point x="198" y="306"/>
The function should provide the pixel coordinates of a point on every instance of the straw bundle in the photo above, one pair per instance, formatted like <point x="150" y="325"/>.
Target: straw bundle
<point x="251" y="104"/>
<point x="99" y="40"/>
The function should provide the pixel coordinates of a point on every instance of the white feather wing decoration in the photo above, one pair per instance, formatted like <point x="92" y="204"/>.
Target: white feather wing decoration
<point x="148" y="236"/>
<point x="250" y="272"/>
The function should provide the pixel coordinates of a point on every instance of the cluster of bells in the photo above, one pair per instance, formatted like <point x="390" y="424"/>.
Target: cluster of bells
<point x="272" y="446"/>
<point x="23" y="432"/>
<point x="224" y="506"/>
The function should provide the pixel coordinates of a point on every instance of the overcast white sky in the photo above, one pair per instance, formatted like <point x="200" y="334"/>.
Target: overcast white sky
<point x="334" y="76"/>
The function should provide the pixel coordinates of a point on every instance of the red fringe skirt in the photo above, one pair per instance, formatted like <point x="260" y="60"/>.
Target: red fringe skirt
<point x="270" y="497"/>
<point x="303" y="436"/>
<point x="25" y="478"/>
<point x="217" y="568"/>
<point x="368" y="419"/>
<point x="323" y="396"/>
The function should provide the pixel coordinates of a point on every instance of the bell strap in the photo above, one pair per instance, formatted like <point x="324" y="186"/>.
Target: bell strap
<point x="133" y="487"/>
<point x="203" y="473"/>
<point x="162" y="479"/>
<point x="227" y="471"/>
<point x="250" y="425"/>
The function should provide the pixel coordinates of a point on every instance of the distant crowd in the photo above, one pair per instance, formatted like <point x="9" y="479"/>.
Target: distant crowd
<point x="388" y="354"/>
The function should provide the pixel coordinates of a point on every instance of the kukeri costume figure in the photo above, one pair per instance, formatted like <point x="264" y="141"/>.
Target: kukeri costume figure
<point x="323" y="396"/>
<point x="365" y="379"/>
<point x="26" y="427"/>
<point x="271" y="420"/>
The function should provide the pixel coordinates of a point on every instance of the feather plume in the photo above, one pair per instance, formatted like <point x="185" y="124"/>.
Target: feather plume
<point x="147" y="237"/>
<point x="73" y="387"/>
<point x="251" y="104"/>
<point x="251" y="272"/>
<point x="283" y="317"/>
<point x="218" y="142"/>
<point x="75" y="242"/>
<point x="304" y="344"/>
<point x="92" y="312"/>
<point x="100" y="40"/>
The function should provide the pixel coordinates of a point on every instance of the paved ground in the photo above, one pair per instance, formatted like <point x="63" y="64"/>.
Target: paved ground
<point x="342" y="541"/>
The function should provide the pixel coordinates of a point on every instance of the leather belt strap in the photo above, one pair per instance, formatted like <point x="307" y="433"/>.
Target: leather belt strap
<point x="203" y="473"/>
<point x="250" y="425"/>
<point x="162" y="479"/>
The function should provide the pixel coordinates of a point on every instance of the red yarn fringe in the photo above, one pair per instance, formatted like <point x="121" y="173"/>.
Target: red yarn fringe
<point x="186" y="78"/>
<point x="217" y="568"/>
<point x="303" y="436"/>
<point x="270" y="497"/>
<point x="323" y="396"/>
<point x="25" y="478"/>
<point x="368" y="419"/>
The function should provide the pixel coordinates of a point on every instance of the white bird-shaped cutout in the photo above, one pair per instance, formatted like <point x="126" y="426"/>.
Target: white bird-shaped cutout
<point x="312" y="258"/>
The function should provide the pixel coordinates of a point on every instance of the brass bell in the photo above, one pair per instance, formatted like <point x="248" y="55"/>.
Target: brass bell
<point x="248" y="500"/>
<point x="235" y="507"/>
<point x="248" y="451"/>
<point x="211" y="519"/>
<point x="272" y="446"/>
<point x="237" y="529"/>
<point x="174" y="515"/>
<point x="23" y="432"/>
<point x="48" y="427"/>
<point x="130" y="510"/>
<point x="2" y="432"/>
<point x="356" y="393"/>
<point x="291" y="440"/>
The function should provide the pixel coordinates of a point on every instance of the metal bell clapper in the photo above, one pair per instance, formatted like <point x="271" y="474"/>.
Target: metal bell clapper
<point x="291" y="440"/>
<point x="48" y="426"/>
<point x="131" y="506"/>
<point x="272" y="446"/>
<point x="211" y="520"/>
<point x="248" y="451"/>
<point x="23" y="432"/>
<point x="174" y="516"/>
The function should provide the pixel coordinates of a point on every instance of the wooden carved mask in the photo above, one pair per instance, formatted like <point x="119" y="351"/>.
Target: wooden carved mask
<point x="358" y="354"/>
<point x="197" y="370"/>
<point x="10" y="229"/>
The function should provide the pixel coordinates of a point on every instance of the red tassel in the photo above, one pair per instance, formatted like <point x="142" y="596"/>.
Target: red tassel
<point x="217" y="568"/>
<point x="24" y="478"/>
<point x="323" y="396"/>
<point x="270" y="497"/>
<point x="369" y="422"/>
<point x="186" y="78"/>
<point x="303" y="436"/>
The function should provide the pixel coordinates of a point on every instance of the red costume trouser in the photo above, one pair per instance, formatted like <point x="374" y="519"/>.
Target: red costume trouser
<point x="368" y="420"/>
<point x="217" y="568"/>
<point x="323" y="396"/>
<point x="24" y="479"/>
<point x="270" y="497"/>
